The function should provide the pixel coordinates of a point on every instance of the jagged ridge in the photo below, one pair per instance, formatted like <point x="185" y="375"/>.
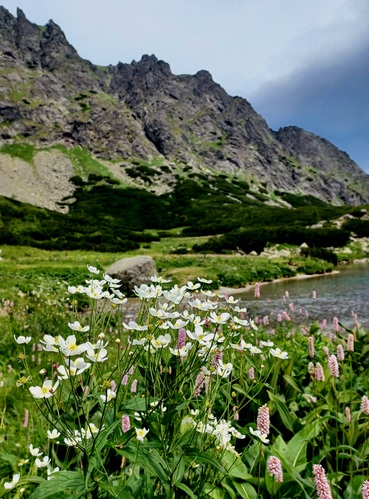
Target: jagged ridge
<point x="51" y="96"/>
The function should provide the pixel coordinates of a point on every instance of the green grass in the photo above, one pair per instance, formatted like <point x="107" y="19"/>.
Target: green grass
<point x="22" y="151"/>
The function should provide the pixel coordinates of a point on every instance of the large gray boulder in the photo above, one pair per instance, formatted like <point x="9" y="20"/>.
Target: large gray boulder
<point x="132" y="272"/>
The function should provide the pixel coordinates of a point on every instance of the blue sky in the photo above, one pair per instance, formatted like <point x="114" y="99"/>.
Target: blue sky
<point x="298" y="62"/>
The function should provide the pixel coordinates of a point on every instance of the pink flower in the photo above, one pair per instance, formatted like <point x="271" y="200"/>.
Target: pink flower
<point x="181" y="341"/>
<point x="364" y="406"/>
<point x="257" y="290"/>
<point x="350" y="343"/>
<point x="263" y="420"/>
<point x="321" y="483"/>
<point x="199" y="383"/>
<point x="134" y="386"/>
<point x="333" y="366"/>
<point x="26" y="416"/>
<point x="311" y="346"/>
<point x="335" y="324"/>
<point x="348" y="417"/>
<point x="314" y="295"/>
<point x="365" y="490"/>
<point x="274" y="467"/>
<point x="125" y="380"/>
<point x="251" y="373"/>
<point x="340" y="353"/>
<point x="319" y="372"/>
<point x="126" y="424"/>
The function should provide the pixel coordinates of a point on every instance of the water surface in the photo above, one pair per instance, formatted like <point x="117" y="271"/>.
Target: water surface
<point x="344" y="295"/>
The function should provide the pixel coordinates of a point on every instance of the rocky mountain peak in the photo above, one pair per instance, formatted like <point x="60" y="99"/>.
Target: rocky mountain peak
<point x="51" y="96"/>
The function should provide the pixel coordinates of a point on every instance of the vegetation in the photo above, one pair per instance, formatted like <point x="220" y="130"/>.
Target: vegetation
<point x="210" y="407"/>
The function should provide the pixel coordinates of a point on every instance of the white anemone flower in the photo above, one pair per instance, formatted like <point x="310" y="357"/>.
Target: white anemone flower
<point x="46" y="391"/>
<point x="22" y="339"/>
<point x="183" y="351"/>
<point x="141" y="433"/>
<point x="52" y="343"/>
<point x="98" y="356"/>
<point x="42" y="463"/>
<point x="34" y="451"/>
<point x="262" y="436"/>
<point x="51" y="472"/>
<point x="277" y="352"/>
<point x="134" y="326"/>
<point x="93" y="269"/>
<point x="161" y="341"/>
<point x="13" y="483"/>
<point x="219" y="318"/>
<point x="224" y="370"/>
<point x="159" y="279"/>
<point x="200" y="335"/>
<point x="53" y="434"/>
<point x="205" y="281"/>
<point x="76" y="326"/>
<point x="110" y="395"/>
<point x="70" y="347"/>
<point x="178" y="324"/>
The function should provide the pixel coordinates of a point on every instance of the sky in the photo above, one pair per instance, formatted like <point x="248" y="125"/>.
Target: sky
<point x="298" y="62"/>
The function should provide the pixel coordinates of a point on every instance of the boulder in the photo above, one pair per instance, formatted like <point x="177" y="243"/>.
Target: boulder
<point x="132" y="272"/>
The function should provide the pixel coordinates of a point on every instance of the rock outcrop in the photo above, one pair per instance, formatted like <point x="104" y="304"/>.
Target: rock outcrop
<point x="132" y="272"/>
<point x="50" y="96"/>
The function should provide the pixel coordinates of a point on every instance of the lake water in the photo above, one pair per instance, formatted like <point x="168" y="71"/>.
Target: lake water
<point x="338" y="295"/>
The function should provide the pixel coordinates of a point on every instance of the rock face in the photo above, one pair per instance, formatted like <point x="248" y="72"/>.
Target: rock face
<point x="132" y="272"/>
<point x="50" y="96"/>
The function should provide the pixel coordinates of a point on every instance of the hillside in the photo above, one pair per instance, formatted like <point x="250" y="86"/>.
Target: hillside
<point x="142" y="126"/>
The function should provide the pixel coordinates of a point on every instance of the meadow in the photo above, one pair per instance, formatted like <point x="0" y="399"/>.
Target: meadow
<point x="187" y="398"/>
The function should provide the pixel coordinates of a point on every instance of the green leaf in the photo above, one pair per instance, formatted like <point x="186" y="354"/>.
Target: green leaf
<point x="245" y="490"/>
<point x="148" y="458"/>
<point x="292" y="382"/>
<point x="237" y="468"/>
<point x="104" y="435"/>
<point x="296" y="447"/>
<point x="203" y="457"/>
<point x="186" y="489"/>
<point x="287" y="417"/>
<point x="60" y="482"/>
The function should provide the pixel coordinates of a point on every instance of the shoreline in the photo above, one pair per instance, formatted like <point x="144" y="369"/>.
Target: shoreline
<point x="248" y="287"/>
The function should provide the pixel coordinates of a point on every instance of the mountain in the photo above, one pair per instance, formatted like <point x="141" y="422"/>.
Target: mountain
<point x="62" y="117"/>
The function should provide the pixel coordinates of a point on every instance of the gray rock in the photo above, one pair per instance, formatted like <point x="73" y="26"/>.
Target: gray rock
<point x="132" y="272"/>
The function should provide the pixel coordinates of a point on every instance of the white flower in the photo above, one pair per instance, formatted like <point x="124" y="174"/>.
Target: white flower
<point x="266" y="344"/>
<point x="160" y="279"/>
<point x="224" y="370"/>
<point x="141" y="433"/>
<point x="47" y="390"/>
<point x="178" y="324"/>
<point x="181" y="352"/>
<point x="110" y="395"/>
<point x="22" y="339"/>
<point x="41" y="464"/>
<point x="76" y="289"/>
<point x="277" y="352"/>
<point x="241" y="322"/>
<point x="205" y="281"/>
<point x="202" y="337"/>
<point x="51" y="472"/>
<point x="52" y="343"/>
<point x="70" y="347"/>
<point x="76" y="326"/>
<point x="34" y="451"/>
<point x="260" y="435"/>
<point x="111" y="280"/>
<point x="93" y="270"/>
<point x="136" y="327"/>
<point x="53" y="434"/>
<point x="13" y="483"/>
<point x="231" y="299"/>
<point x="161" y="341"/>
<point x="99" y="356"/>
<point x="190" y="285"/>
